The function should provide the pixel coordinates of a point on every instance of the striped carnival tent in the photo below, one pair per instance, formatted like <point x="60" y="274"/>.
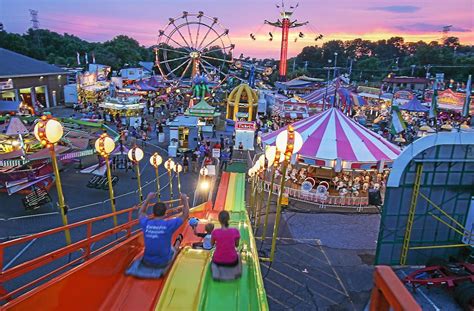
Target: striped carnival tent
<point x="318" y="95"/>
<point x="331" y="139"/>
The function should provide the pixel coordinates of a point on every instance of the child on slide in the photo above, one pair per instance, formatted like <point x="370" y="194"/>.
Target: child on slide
<point x="206" y="237"/>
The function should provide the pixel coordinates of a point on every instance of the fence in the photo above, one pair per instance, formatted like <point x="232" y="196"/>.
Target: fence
<point x="322" y="201"/>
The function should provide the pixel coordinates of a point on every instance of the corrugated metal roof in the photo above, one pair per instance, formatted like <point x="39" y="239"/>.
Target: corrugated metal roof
<point x="17" y="65"/>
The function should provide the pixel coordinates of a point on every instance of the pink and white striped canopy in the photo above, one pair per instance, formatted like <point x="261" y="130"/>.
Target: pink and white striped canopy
<point x="318" y="95"/>
<point x="331" y="135"/>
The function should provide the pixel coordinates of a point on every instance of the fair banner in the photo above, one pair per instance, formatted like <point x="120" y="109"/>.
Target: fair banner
<point x="450" y="100"/>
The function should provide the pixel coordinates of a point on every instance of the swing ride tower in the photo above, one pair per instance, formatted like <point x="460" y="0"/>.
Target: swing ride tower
<point x="285" y="24"/>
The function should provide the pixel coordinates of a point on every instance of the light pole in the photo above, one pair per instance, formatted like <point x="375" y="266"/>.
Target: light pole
<point x="259" y="203"/>
<point x="49" y="132"/>
<point x="327" y="85"/>
<point x="273" y="157"/>
<point x="136" y="155"/>
<point x="288" y="143"/>
<point x="178" y="168"/>
<point x="104" y="145"/>
<point x="335" y="64"/>
<point x="169" y="165"/>
<point x="155" y="161"/>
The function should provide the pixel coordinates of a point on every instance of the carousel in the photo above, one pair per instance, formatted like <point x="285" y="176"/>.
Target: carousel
<point x="340" y="163"/>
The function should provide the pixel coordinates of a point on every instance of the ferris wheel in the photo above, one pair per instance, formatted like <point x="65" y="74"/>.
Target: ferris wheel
<point x="193" y="43"/>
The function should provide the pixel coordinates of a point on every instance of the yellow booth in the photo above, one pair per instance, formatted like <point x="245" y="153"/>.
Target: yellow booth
<point x="242" y="103"/>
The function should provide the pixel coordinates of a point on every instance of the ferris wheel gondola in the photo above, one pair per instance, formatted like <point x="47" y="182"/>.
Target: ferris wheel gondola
<point x="193" y="43"/>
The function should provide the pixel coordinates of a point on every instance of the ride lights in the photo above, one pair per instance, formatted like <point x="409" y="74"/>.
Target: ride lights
<point x="178" y="168"/>
<point x="48" y="131"/>
<point x="104" y="145"/>
<point x="270" y="153"/>
<point x="261" y="161"/>
<point x="204" y="171"/>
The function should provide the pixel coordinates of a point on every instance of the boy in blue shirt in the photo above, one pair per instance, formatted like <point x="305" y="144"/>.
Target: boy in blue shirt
<point x="158" y="232"/>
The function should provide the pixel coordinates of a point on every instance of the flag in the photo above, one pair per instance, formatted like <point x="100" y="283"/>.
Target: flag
<point x="467" y="103"/>
<point x="434" y="103"/>
<point x="93" y="58"/>
<point x="78" y="56"/>
<point x="87" y="59"/>
<point x="398" y="125"/>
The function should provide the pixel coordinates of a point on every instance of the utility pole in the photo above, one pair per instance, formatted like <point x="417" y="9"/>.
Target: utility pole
<point x="34" y="19"/>
<point x="350" y="68"/>
<point x="335" y="64"/>
<point x="294" y="64"/>
<point x="428" y="67"/>
<point x="285" y="24"/>
<point x="327" y="84"/>
<point x="305" y="65"/>
<point x="413" y="70"/>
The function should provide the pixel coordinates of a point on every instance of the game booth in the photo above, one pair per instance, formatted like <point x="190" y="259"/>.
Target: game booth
<point x="245" y="134"/>
<point x="129" y="108"/>
<point x="340" y="162"/>
<point x="184" y="131"/>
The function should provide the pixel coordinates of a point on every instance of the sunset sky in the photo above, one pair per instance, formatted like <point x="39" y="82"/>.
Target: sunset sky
<point x="344" y="19"/>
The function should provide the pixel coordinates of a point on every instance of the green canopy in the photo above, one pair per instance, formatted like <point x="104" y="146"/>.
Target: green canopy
<point x="202" y="109"/>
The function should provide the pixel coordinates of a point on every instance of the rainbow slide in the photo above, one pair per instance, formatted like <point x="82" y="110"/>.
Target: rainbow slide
<point x="100" y="283"/>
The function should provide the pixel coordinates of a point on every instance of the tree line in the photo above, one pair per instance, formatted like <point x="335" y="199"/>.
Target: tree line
<point x="371" y="60"/>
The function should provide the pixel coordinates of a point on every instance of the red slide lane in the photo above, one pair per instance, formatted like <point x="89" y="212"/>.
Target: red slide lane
<point x="219" y="204"/>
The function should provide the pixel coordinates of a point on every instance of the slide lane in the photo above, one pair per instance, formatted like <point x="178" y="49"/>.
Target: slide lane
<point x="222" y="192"/>
<point x="247" y="292"/>
<point x="182" y="290"/>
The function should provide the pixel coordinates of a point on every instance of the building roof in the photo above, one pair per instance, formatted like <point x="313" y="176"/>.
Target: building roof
<point x="17" y="65"/>
<point x="407" y="80"/>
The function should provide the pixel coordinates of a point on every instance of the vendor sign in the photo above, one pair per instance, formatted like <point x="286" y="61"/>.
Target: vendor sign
<point x="450" y="100"/>
<point x="406" y="95"/>
<point x="245" y="126"/>
<point x="6" y="85"/>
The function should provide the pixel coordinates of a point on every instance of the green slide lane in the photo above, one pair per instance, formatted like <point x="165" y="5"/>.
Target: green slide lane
<point x="247" y="292"/>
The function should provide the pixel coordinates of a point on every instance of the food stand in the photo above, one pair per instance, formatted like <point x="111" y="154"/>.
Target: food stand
<point x="206" y="113"/>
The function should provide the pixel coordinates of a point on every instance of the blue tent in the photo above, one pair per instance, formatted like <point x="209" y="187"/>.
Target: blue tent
<point x="414" y="105"/>
<point x="9" y="106"/>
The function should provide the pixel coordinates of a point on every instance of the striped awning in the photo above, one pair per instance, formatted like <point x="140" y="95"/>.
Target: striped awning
<point x="331" y="135"/>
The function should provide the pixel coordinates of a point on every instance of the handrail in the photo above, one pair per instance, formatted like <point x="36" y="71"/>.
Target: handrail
<point x="389" y="293"/>
<point x="84" y="245"/>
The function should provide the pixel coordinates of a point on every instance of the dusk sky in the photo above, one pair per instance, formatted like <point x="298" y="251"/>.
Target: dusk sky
<point x="344" y="19"/>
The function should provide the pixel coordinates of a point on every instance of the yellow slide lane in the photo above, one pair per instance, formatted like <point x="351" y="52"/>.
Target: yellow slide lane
<point x="182" y="289"/>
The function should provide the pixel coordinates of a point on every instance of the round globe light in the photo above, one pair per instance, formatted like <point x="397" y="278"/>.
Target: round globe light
<point x="261" y="161"/>
<point x="204" y="171"/>
<point x="270" y="153"/>
<point x="178" y="168"/>
<point x="169" y="164"/>
<point x="104" y="145"/>
<point x="135" y="154"/>
<point x="53" y="131"/>
<point x="156" y="160"/>
<point x="282" y="142"/>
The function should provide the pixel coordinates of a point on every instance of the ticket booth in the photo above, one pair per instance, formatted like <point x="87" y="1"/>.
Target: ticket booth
<point x="245" y="134"/>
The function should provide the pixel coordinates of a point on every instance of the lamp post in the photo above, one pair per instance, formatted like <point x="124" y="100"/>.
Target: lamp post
<point x="335" y="64"/>
<point x="169" y="165"/>
<point x="259" y="203"/>
<point x="155" y="161"/>
<point x="49" y="132"/>
<point x="136" y="155"/>
<point x="327" y="85"/>
<point x="178" y="168"/>
<point x="104" y="145"/>
<point x="273" y="157"/>
<point x="288" y="143"/>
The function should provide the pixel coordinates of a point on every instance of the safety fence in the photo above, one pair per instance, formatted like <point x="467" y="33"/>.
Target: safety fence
<point x="322" y="201"/>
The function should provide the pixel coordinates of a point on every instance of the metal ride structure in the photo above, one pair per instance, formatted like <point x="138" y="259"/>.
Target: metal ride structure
<point x="193" y="43"/>
<point x="285" y="24"/>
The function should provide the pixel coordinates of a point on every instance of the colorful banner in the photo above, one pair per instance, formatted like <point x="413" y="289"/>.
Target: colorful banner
<point x="450" y="100"/>
<point x="406" y="95"/>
